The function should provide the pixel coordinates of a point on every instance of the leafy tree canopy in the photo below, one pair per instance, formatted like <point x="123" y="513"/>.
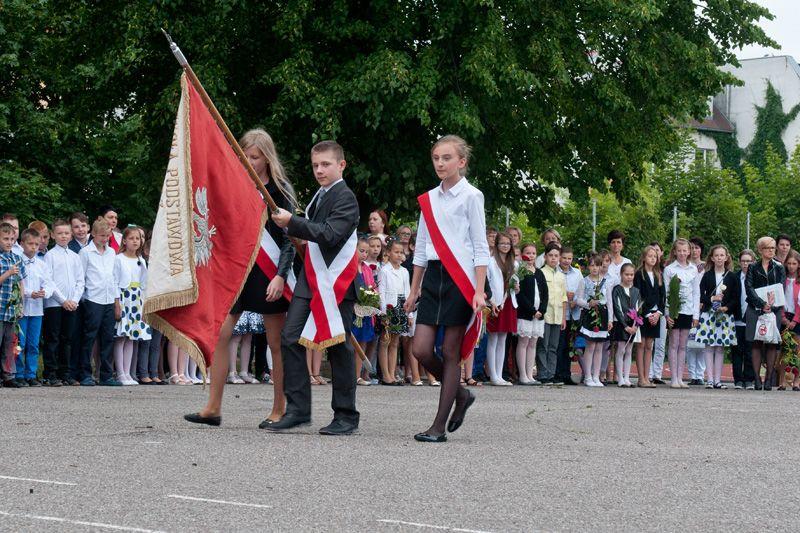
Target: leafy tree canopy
<point x="561" y="93"/>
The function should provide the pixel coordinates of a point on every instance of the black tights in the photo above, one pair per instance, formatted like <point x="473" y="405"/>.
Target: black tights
<point x="447" y="372"/>
<point x="771" y="353"/>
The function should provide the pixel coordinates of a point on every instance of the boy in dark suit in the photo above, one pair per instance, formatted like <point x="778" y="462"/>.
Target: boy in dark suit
<point x="332" y="217"/>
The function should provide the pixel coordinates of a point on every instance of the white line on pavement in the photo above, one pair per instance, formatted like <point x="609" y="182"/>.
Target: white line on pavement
<point x="240" y="504"/>
<point x="431" y="526"/>
<point x="12" y="478"/>
<point x="79" y="522"/>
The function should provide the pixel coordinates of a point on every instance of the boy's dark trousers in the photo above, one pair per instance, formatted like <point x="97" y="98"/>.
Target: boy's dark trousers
<point x="76" y="350"/>
<point x="59" y="330"/>
<point x="563" y="362"/>
<point x="98" y="323"/>
<point x="295" y="369"/>
<point x="8" y="357"/>
<point x="741" y="358"/>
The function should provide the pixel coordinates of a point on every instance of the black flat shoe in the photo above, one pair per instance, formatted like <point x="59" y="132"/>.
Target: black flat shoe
<point x="195" y="418"/>
<point x="659" y="381"/>
<point x="424" y="437"/>
<point x="454" y="422"/>
<point x="266" y="423"/>
<point x="337" y="428"/>
<point x="288" y="422"/>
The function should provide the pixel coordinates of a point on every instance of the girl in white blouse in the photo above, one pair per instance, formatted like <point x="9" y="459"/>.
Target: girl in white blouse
<point x="681" y="320"/>
<point x="394" y="287"/>
<point x="130" y="272"/>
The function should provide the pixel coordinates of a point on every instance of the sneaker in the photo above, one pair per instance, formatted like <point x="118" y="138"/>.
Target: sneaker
<point x="535" y="383"/>
<point x="11" y="384"/>
<point x="21" y="383"/>
<point x="247" y="378"/>
<point x="72" y="382"/>
<point x="720" y="385"/>
<point x="110" y="382"/>
<point x="738" y="385"/>
<point x="87" y="382"/>
<point x="558" y="383"/>
<point x="709" y="385"/>
<point x="34" y="383"/>
<point x="748" y="385"/>
<point x="234" y="379"/>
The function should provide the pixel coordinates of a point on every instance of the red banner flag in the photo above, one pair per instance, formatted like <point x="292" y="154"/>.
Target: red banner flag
<point x="206" y="235"/>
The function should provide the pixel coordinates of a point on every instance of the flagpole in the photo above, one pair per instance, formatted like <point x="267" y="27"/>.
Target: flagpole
<point x="220" y="122"/>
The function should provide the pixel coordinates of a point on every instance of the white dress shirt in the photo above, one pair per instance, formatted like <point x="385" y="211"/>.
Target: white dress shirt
<point x="17" y="249"/>
<point x="574" y="281"/>
<point x="494" y="276"/>
<point x="67" y="275"/>
<point x="101" y="287"/>
<point x="393" y="283"/>
<point x="38" y="277"/>
<point x="690" y="288"/>
<point x="462" y="207"/>
<point x="614" y="268"/>
<point x="742" y="299"/>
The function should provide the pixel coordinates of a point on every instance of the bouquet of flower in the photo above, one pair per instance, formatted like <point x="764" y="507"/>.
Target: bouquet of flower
<point x="597" y="321"/>
<point x="15" y="303"/>
<point x="789" y="356"/>
<point x="521" y="273"/>
<point x="368" y="304"/>
<point x="633" y="314"/>
<point x="674" y="298"/>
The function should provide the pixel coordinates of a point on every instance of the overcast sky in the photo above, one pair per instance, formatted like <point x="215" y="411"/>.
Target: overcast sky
<point x="783" y="29"/>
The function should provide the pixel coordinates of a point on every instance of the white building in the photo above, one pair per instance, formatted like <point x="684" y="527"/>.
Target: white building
<point x="734" y="109"/>
<point x="738" y="104"/>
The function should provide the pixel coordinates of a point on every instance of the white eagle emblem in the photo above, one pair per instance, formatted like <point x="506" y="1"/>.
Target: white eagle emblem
<point x="202" y="233"/>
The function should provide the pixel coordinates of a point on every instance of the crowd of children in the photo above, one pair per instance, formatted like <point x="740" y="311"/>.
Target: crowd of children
<point x="80" y="300"/>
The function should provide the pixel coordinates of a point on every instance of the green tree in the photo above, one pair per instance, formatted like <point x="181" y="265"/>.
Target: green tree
<point x="566" y="94"/>
<point x="771" y="122"/>
<point x="773" y="195"/>
<point x="710" y="201"/>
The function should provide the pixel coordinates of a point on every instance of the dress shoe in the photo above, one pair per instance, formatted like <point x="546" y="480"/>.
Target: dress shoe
<point x="87" y="382"/>
<point x="196" y="418"/>
<point x="288" y="422"/>
<point x="338" y="427"/>
<point x="454" y="422"/>
<point x="424" y="437"/>
<point x="10" y="384"/>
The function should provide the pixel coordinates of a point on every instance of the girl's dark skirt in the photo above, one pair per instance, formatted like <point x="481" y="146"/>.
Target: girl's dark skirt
<point x="254" y="296"/>
<point x="650" y="331"/>
<point x="440" y="302"/>
<point x="683" y="322"/>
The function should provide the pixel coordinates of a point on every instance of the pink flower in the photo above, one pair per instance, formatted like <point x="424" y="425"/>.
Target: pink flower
<point x="633" y="315"/>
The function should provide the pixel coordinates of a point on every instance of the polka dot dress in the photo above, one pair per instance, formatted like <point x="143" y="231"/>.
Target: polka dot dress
<point x="716" y="329"/>
<point x="132" y="273"/>
<point x="249" y="322"/>
<point x="131" y="324"/>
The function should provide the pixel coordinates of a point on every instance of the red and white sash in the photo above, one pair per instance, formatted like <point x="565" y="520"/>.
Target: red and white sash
<point x="328" y="286"/>
<point x="458" y="262"/>
<point x="267" y="260"/>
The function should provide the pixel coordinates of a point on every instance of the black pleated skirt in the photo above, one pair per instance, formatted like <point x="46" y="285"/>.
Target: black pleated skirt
<point x="441" y="302"/>
<point x="253" y="297"/>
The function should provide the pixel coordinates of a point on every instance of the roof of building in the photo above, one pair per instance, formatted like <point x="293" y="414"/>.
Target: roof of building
<point x="716" y="122"/>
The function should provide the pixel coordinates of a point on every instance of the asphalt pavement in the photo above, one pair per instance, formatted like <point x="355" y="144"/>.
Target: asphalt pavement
<point x="526" y="459"/>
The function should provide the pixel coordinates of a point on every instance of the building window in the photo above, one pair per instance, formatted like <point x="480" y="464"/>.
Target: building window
<point x="706" y="155"/>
